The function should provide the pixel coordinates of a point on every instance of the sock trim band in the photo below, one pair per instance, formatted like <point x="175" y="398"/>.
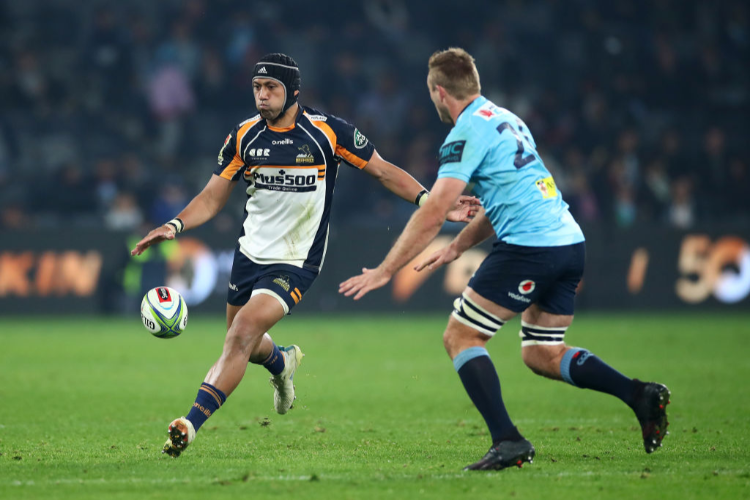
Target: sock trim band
<point x="565" y="364"/>
<point x="213" y="391"/>
<point x="467" y="355"/>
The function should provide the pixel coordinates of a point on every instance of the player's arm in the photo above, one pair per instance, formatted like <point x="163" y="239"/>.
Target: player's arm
<point x="201" y="209"/>
<point x="473" y="234"/>
<point x="422" y="228"/>
<point x="402" y="184"/>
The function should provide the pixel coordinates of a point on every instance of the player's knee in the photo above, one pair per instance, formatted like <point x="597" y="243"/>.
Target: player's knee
<point x="544" y="360"/>
<point x="243" y="334"/>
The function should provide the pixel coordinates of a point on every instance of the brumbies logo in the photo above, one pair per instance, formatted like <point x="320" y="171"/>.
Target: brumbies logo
<point x="283" y="282"/>
<point x="305" y="155"/>
<point x="360" y="140"/>
<point x="526" y="287"/>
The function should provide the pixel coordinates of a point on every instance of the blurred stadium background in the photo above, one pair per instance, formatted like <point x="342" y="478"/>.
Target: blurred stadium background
<point x="113" y="113"/>
<point x="111" y="117"/>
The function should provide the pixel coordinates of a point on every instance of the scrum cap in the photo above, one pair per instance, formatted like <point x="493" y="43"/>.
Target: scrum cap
<point x="283" y="69"/>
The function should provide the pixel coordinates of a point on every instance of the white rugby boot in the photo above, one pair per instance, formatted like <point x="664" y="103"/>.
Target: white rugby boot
<point x="283" y="383"/>
<point x="181" y="434"/>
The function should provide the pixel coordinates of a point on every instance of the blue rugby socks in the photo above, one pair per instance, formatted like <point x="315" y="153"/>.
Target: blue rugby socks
<point x="481" y="382"/>
<point x="209" y="400"/>
<point x="274" y="363"/>
<point x="582" y="369"/>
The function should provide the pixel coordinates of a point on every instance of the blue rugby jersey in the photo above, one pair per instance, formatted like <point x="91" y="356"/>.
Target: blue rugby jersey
<point x="493" y="148"/>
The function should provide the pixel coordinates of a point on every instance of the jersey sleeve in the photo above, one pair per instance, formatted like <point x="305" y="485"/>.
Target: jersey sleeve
<point x="461" y="154"/>
<point x="231" y="164"/>
<point x="351" y="144"/>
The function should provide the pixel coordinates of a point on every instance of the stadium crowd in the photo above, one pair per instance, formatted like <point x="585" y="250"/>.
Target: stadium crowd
<point x="114" y="115"/>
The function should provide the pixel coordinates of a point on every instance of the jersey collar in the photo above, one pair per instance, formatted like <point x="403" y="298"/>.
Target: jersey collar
<point x="473" y="105"/>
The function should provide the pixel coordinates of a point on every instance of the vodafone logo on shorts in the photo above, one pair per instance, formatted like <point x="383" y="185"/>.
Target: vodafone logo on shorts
<point x="526" y="287"/>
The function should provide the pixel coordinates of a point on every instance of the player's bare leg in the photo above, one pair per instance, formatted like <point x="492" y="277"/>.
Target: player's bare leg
<point x="545" y="353"/>
<point x="473" y="322"/>
<point x="246" y="338"/>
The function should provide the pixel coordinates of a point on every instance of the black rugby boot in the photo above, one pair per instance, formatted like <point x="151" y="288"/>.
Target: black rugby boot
<point x="505" y="454"/>
<point x="650" y="407"/>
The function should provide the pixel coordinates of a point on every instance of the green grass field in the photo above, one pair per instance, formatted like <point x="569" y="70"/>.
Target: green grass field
<point x="85" y="403"/>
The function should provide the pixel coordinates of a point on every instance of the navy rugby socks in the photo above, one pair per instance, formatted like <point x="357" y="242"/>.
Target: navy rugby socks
<point x="274" y="363"/>
<point x="209" y="400"/>
<point x="481" y="382"/>
<point x="582" y="369"/>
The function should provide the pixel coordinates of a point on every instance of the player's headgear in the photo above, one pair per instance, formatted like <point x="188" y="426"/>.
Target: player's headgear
<point x="283" y="69"/>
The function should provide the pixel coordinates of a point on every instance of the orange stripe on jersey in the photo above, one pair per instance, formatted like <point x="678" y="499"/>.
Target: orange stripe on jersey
<point x="237" y="162"/>
<point x="353" y="159"/>
<point x="294" y="296"/>
<point x="328" y="131"/>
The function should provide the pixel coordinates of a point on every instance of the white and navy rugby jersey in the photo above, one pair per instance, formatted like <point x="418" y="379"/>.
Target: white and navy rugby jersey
<point x="290" y="174"/>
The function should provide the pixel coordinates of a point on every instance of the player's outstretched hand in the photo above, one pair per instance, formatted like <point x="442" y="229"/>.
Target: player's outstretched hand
<point x="370" y="279"/>
<point x="465" y="209"/>
<point x="445" y="255"/>
<point x="157" y="235"/>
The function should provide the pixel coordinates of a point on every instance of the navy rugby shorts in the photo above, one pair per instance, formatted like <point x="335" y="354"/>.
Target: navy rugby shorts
<point x="515" y="277"/>
<point x="285" y="282"/>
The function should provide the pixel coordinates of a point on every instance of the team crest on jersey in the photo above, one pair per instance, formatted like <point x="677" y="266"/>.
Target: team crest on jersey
<point x="360" y="140"/>
<point x="526" y="287"/>
<point x="283" y="282"/>
<point x="305" y="155"/>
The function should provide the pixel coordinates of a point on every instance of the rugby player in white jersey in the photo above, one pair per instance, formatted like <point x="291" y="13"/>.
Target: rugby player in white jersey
<point x="288" y="155"/>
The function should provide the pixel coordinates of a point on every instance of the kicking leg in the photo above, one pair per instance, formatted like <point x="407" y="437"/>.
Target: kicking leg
<point x="244" y="339"/>
<point x="546" y="354"/>
<point x="473" y="322"/>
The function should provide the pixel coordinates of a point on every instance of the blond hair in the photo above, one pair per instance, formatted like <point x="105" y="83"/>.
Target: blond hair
<point x="454" y="70"/>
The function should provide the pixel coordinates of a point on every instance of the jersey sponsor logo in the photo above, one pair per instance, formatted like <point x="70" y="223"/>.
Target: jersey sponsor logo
<point x="285" y="182"/>
<point x="305" y="155"/>
<point x="451" y="152"/>
<point x="526" y="287"/>
<point x="360" y="140"/>
<point x="488" y="111"/>
<point x="263" y="70"/>
<point x="259" y="152"/>
<point x="282" y="142"/>
<point x="547" y="187"/>
<point x="317" y="118"/>
<point x="520" y="298"/>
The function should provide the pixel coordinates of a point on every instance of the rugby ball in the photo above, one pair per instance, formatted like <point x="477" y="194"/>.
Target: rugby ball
<point x="164" y="312"/>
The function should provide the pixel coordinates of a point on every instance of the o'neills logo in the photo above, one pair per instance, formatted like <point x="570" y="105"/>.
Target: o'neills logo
<point x="202" y="409"/>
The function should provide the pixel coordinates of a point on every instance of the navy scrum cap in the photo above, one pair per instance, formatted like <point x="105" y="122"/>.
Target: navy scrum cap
<point x="283" y="69"/>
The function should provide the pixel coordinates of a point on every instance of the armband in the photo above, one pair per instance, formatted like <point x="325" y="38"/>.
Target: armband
<point x="177" y="224"/>
<point x="421" y="197"/>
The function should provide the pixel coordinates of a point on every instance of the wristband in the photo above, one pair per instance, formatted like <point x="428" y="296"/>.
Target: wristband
<point x="421" y="197"/>
<point x="177" y="224"/>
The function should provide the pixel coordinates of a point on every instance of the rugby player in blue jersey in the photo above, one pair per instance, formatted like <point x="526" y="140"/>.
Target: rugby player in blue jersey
<point x="288" y="156"/>
<point x="534" y="267"/>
